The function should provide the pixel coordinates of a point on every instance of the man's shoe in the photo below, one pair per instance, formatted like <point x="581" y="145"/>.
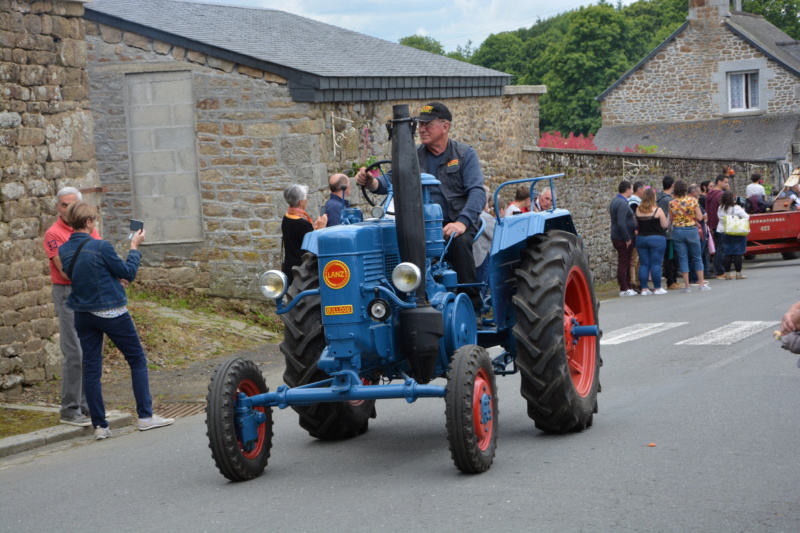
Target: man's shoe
<point x="723" y="276"/>
<point x="728" y="276"/>
<point x="76" y="420"/>
<point x="705" y="288"/>
<point x="102" y="433"/>
<point x="675" y="287"/>
<point x="154" y="422"/>
<point x="688" y="289"/>
<point x="629" y="292"/>
<point x="739" y="275"/>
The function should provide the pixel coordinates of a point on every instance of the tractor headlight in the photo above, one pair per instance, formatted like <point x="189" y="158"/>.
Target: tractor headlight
<point x="406" y="277"/>
<point x="273" y="284"/>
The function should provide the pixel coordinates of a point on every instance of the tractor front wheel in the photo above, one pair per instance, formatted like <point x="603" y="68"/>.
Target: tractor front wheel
<point x="471" y="409"/>
<point x="236" y="460"/>
<point x="303" y="342"/>
<point x="560" y="372"/>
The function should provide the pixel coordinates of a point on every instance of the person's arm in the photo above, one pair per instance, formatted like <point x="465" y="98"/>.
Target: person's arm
<point x="124" y="269"/>
<point x="621" y="215"/>
<point x="698" y="214"/>
<point x="378" y="185"/>
<point x="321" y="222"/>
<point x="662" y="218"/>
<point x="742" y="213"/>
<point x="57" y="262"/>
<point x="473" y="185"/>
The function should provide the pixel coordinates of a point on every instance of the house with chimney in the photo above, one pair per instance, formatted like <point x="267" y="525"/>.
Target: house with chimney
<point x="725" y="85"/>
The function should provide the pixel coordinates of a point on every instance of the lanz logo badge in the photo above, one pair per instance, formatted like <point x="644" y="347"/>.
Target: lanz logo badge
<point x="427" y="109"/>
<point x="452" y="163"/>
<point x="338" y="310"/>
<point x="336" y="274"/>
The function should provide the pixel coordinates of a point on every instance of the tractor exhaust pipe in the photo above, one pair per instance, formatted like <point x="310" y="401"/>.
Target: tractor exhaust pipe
<point x="409" y="215"/>
<point x="421" y="328"/>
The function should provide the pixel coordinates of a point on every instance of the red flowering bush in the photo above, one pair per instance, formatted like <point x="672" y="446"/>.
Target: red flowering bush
<point x="554" y="139"/>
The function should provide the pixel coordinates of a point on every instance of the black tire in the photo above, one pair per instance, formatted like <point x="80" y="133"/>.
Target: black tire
<point x="471" y="378"/>
<point x="790" y="255"/>
<point x="233" y="460"/>
<point x="303" y="342"/>
<point x="559" y="380"/>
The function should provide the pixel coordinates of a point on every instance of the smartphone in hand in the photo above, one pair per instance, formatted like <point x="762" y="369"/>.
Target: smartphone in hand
<point x="136" y="225"/>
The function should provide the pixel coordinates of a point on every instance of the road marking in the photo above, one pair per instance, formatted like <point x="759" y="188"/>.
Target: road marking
<point x="730" y="333"/>
<point x="637" y="331"/>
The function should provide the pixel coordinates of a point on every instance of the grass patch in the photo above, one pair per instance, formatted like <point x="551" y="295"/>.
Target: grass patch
<point x="20" y="421"/>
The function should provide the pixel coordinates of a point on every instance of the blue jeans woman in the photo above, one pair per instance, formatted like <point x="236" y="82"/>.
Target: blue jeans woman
<point x="651" y="252"/>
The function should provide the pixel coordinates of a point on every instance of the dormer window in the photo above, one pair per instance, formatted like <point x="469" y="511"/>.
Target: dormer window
<point x="743" y="91"/>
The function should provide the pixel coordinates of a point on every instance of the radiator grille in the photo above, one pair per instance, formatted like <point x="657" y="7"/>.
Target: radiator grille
<point x="392" y="260"/>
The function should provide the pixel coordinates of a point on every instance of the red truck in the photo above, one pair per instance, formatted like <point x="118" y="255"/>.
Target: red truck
<point x="777" y="232"/>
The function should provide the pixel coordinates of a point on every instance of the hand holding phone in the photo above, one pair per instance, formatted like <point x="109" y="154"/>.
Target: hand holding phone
<point x="136" y="225"/>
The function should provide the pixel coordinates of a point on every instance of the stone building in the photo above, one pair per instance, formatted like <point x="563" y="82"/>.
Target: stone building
<point x="46" y="142"/>
<point x="725" y="85"/>
<point x="203" y="114"/>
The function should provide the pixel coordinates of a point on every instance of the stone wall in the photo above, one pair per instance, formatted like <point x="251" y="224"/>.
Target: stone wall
<point x="687" y="80"/>
<point x="46" y="142"/>
<point x="591" y="180"/>
<point x="252" y="141"/>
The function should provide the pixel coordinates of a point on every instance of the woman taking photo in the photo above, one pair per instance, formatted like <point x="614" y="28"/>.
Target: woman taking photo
<point x="100" y="304"/>
<point x="733" y="246"/>
<point x="685" y="213"/>
<point x="651" y="241"/>
<point x="296" y="223"/>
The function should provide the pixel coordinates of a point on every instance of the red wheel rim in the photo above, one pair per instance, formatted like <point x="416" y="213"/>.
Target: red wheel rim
<point x="581" y="355"/>
<point x="251" y="389"/>
<point x="483" y="430"/>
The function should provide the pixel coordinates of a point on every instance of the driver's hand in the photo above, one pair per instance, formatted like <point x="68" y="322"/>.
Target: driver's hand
<point x="455" y="229"/>
<point x="366" y="180"/>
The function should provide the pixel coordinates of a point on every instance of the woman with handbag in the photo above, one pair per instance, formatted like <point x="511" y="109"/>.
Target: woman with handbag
<point x="734" y="234"/>
<point x="100" y="304"/>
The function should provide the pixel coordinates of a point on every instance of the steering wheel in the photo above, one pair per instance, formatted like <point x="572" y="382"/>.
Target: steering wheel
<point x="372" y="198"/>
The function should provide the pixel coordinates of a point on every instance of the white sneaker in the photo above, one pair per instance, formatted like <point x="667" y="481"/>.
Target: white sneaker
<point x="645" y="292"/>
<point x="102" y="433"/>
<point x="154" y="422"/>
<point x="705" y="288"/>
<point x="659" y="291"/>
<point x="629" y="292"/>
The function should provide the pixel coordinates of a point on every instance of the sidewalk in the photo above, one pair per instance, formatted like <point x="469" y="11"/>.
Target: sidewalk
<point x="59" y="433"/>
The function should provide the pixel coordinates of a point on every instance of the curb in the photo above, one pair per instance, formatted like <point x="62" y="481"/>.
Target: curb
<point x="36" y="439"/>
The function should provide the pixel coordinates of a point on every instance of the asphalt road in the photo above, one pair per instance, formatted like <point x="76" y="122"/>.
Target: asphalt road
<point x="715" y="394"/>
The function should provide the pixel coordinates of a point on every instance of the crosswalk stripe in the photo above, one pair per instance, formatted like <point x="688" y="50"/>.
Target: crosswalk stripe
<point x="637" y="331"/>
<point x="730" y="333"/>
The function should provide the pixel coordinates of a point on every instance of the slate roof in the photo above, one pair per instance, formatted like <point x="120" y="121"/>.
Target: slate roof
<point x="321" y="62"/>
<point x="766" y="137"/>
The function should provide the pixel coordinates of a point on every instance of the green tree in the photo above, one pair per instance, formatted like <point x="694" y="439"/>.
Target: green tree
<point x="503" y="52"/>
<point x="583" y="65"/>
<point x="783" y="14"/>
<point x="423" y="42"/>
<point x="462" y="53"/>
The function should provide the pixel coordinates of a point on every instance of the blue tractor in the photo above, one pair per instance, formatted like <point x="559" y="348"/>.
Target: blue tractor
<point x="374" y="312"/>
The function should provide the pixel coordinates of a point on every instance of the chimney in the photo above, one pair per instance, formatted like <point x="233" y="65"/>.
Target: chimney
<point x="710" y="10"/>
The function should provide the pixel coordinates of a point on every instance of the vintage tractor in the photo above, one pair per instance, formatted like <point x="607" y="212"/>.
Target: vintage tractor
<point x="375" y="313"/>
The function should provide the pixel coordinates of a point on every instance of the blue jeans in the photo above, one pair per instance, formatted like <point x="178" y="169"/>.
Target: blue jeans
<point x="687" y="246"/>
<point x="123" y="334"/>
<point x="651" y="252"/>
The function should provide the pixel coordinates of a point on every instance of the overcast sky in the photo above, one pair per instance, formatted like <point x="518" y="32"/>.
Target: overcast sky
<point x="451" y="22"/>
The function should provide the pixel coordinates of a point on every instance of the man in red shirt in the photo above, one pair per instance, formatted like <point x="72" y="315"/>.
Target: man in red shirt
<point x="73" y="400"/>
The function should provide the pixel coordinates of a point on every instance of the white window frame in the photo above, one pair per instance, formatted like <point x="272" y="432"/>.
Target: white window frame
<point x="750" y="101"/>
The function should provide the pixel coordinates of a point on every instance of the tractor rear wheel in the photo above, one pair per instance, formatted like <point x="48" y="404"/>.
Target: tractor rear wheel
<point x="790" y="255"/>
<point x="303" y="342"/>
<point x="560" y="373"/>
<point x="471" y="409"/>
<point x="236" y="460"/>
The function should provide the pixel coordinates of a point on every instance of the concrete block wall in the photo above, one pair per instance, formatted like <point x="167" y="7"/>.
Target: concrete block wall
<point x="46" y="142"/>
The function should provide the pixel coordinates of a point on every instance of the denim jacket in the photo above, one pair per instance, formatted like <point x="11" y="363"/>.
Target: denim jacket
<point x="96" y="275"/>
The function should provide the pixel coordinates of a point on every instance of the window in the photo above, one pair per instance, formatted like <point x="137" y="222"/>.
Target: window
<point x="743" y="91"/>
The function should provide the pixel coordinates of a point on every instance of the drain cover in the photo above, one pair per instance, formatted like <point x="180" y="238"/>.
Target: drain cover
<point x="180" y="410"/>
